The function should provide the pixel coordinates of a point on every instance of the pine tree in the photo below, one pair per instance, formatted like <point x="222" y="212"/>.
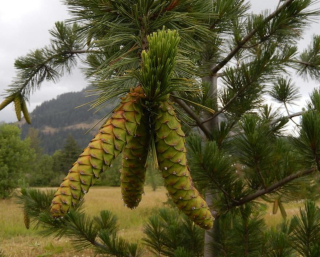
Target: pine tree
<point x="13" y="152"/>
<point x="33" y="135"/>
<point x="70" y="152"/>
<point x="42" y="167"/>
<point x="243" y="154"/>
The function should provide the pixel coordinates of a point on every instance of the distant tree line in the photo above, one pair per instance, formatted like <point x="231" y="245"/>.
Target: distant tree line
<point x="60" y="113"/>
<point x="51" y="142"/>
<point x="16" y="158"/>
<point x="23" y="162"/>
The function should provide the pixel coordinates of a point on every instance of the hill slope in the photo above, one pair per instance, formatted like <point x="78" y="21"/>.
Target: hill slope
<point x="59" y="117"/>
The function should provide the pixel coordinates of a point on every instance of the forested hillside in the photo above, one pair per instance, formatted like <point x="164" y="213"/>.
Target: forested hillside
<point x="59" y="117"/>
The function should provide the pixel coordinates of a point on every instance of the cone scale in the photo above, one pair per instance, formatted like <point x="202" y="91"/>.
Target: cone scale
<point x="133" y="171"/>
<point x="171" y="153"/>
<point x="100" y="153"/>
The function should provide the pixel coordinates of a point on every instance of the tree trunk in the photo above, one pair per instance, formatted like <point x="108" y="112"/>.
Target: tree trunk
<point x="213" y="82"/>
<point x="213" y="124"/>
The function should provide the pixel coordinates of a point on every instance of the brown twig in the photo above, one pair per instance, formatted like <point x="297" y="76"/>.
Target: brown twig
<point x="308" y="64"/>
<point x="289" y="116"/>
<point x="193" y="115"/>
<point x="172" y="5"/>
<point x="273" y="187"/>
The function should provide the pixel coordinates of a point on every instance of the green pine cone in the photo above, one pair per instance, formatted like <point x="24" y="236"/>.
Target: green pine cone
<point x="6" y="101"/>
<point x="171" y="152"/>
<point x="17" y="106"/>
<point x="25" y="111"/>
<point x="134" y="159"/>
<point x="101" y="151"/>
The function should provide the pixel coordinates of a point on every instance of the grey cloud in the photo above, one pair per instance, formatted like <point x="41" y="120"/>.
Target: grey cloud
<point x="26" y="32"/>
<point x="30" y="31"/>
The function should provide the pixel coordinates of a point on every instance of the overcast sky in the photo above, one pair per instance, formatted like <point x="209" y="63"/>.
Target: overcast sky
<point x="24" y="26"/>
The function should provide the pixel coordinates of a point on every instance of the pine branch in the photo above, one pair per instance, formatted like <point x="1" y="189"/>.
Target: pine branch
<point x="264" y="39"/>
<point x="273" y="187"/>
<point x="99" y="245"/>
<point x="230" y="101"/>
<point x="307" y="64"/>
<point x="248" y="37"/>
<point x="193" y="115"/>
<point x="294" y="115"/>
<point x="81" y="52"/>
<point x="288" y="117"/>
<point x="50" y="62"/>
<point x="42" y="66"/>
<point x="248" y="80"/>
<point x="262" y="180"/>
<point x="241" y="90"/>
<point x="84" y="231"/>
<point x="213" y="179"/>
<point x="286" y="107"/>
<point x="264" y="64"/>
<point x="207" y="120"/>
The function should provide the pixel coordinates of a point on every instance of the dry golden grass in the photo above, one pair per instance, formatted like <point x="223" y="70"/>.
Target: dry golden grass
<point x="130" y="221"/>
<point x="16" y="241"/>
<point x="292" y="209"/>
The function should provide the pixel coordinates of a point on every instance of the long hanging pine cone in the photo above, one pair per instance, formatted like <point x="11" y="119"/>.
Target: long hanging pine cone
<point x="171" y="153"/>
<point x="6" y="101"/>
<point x="17" y="106"/>
<point x="101" y="151"/>
<point x="24" y="110"/>
<point x="134" y="159"/>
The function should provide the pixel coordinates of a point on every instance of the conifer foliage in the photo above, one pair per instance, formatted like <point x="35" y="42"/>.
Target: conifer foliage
<point x="138" y="60"/>
<point x="225" y="58"/>
<point x="84" y="231"/>
<point x="124" y="124"/>
<point x="167" y="233"/>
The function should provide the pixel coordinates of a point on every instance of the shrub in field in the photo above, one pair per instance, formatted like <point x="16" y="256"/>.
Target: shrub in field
<point x="13" y="153"/>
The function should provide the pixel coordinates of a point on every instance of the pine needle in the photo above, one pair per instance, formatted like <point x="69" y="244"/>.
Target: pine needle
<point x="199" y="105"/>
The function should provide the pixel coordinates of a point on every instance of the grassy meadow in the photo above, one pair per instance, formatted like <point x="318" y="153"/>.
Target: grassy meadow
<point x="17" y="241"/>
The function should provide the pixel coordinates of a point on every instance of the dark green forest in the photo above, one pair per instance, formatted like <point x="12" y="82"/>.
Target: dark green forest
<point x="43" y="170"/>
<point x="56" y="137"/>
<point x="58" y="118"/>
